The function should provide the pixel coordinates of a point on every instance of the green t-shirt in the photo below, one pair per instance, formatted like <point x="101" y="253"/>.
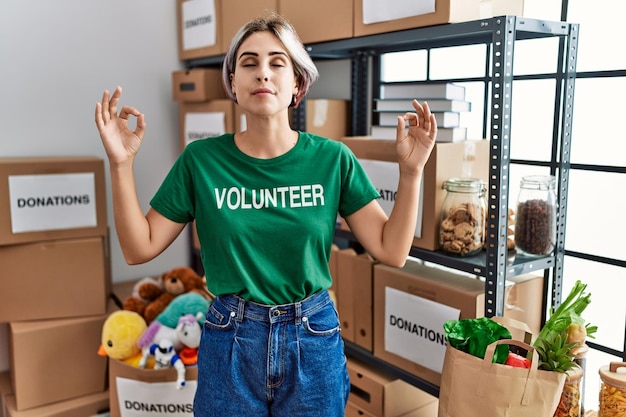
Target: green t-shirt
<point x="265" y="226"/>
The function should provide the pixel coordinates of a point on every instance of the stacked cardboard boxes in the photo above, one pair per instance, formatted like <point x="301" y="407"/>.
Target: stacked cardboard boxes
<point x="398" y="313"/>
<point x="375" y="393"/>
<point x="206" y="27"/>
<point x="54" y="257"/>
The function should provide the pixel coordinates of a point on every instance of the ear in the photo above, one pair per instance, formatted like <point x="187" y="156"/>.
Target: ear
<point x="232" y="84"/>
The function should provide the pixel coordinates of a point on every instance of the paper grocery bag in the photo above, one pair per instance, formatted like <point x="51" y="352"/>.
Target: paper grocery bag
<point x="475" y="387"/>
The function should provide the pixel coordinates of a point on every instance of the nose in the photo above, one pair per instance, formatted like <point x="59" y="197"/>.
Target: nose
<point x="261" y="78"/>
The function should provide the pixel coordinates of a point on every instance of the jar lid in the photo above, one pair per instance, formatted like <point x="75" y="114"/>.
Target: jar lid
<point x="538" y="182"/>
<point x="464" y="185"/>
<point x="614" y="374"/>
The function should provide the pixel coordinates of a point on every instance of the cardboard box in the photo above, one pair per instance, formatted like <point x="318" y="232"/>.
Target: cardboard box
<point x="381" y="394"/>
<point x="332" y="266"/>
<point x="88" y="405"/>
<point x="132" y="389"/>
<point x="522" y="300"/>
<point x="50" y="198"/>
<point x="56" y="360"/>
<point x="324" y="117"/>
<point x="446" y="11"/>
<point x="352" y="410"/>
<point x="491" y="8"/>
<point x="122" y="290"/>
<point x="197" y="85"/>
<point x="429" y="410"/>
<point x="328" y="118"/>
<point x="363" y="291"/>
<point x="345" y="296"/>
<point x="236" y="13"/>
<point x="207" y="119"/>
<point x="356" y="282"/>
<point x="306" y="16"/>
<point x="412" y="303"/>
<point x="55" y="279"/>
<point x="6" y="389"/>
<point x="199" y="28"/>
<point x="462" y="159"/>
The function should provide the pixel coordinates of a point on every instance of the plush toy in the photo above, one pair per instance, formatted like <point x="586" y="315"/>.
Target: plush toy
<point x="144" y="291"/>
<point x="189" y="331"/>
<point x="165" y="357"/>
<point x="164" y="326"/>
<point x="120" y="332"/>
<point x="173" y="283"/>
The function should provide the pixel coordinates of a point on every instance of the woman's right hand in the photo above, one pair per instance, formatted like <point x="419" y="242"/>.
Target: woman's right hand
<point x="120" y="143"/>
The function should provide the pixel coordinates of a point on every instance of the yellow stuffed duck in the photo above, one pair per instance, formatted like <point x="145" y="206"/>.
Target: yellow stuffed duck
<point x="120" y="333"/>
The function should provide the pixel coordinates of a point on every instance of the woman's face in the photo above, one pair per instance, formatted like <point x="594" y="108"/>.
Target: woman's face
<point x="263" y="80"/>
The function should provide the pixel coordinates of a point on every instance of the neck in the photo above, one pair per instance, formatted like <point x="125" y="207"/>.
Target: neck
<point x="266" y="138"/>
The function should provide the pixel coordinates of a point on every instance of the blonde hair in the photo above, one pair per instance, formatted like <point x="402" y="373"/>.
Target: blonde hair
<point x="305" y="71"/>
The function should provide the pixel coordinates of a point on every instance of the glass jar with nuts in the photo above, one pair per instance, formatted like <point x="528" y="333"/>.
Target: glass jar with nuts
<point x="535" y="219"/>
<point x="462" y="226"/>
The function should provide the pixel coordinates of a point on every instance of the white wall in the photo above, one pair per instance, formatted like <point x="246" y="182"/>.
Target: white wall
<point x="56" y="58"/>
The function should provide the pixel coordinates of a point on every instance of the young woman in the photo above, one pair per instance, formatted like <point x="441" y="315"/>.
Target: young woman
<point x="265" y="203"/>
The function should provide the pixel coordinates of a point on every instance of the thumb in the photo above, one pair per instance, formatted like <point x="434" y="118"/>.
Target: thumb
<point x="400" y="128"/>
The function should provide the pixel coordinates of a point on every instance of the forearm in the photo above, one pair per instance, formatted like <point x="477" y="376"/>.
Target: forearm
<point x="131" y="225"/>
<point x="399" y="230"/>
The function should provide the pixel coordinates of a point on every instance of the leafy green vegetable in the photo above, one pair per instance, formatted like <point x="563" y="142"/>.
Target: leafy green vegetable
<point x="474" y="335"/>
<point x="555" y="353"/>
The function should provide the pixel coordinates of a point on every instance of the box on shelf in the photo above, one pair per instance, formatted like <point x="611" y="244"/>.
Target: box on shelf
<point x="328" y="118"/>
<point x="324" y="117"/>
<point x="306" y="16"/>
<point x="55" y="279"/>
<point x="368" y="18"/>
<point x="199" y="28"/>
<point x="6" y="389"/>
<point x="429" y="410"/>
<point x="412" y="303"/>
<point x="345" y="296"/>
<point x="381" y="394"/>
<point x="51" y="198"/>
<point x="88" y="405"/>
<point x="197" y="85"/>
<point x="462" y="159"/>
<point x="332" y="266"/>
<point x="207" y="119"/>
<point x="45" y="352"/>
<point x="236" y="13"/>
<point x="353" y="410"/>
<point x="356" y="273"/>
<point x="491" y="8"/>
<point x="131" y="388"/>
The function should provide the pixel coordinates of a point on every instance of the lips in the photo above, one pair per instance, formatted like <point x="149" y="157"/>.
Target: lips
<point x="262" y="91"/>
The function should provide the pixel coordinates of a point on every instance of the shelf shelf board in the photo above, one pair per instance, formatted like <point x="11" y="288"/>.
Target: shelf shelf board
<point x="477" y="264"/>
<point x="463" y="33"/>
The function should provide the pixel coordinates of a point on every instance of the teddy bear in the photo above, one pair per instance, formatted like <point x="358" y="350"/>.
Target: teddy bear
<point x="150" y="298"/>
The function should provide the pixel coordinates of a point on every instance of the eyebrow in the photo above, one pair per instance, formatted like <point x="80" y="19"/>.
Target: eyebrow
<point x="256" y="54"/>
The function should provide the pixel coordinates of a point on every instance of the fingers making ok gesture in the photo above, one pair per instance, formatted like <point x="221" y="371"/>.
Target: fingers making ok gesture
<point x="121" y="144"/>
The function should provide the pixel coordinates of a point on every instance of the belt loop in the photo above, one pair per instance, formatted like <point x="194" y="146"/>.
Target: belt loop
<point x="240" y="308"/>
<point x="298" y="313"/>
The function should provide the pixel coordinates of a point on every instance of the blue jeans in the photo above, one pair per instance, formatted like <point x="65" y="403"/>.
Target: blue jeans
<point x="279" y="361"/>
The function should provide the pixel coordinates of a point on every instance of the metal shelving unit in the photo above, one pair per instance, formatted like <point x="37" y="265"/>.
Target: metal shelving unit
<point x="500" y="35"/>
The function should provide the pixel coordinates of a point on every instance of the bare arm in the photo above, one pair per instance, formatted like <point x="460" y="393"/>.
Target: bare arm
<point x="389" y="239"/>
<point x="142" y="237"/>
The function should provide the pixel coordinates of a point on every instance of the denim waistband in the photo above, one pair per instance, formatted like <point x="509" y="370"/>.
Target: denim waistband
<point x="274" y="313"/>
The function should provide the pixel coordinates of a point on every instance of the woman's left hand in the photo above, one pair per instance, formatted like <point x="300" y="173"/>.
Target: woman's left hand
<point x="415" y="145"/>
